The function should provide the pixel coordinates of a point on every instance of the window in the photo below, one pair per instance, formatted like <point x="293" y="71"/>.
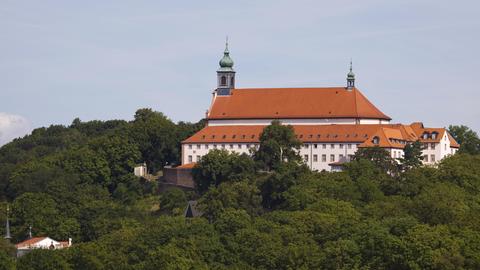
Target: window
<point x="332" y="146"/>
<point x="341" y="146"/>
<point x="425" y="158"/>
<point x="231" y="81"/>
<point x="432" y="158"/>
<point x="349" y="146"/>
<point x="305" y="157"/>
<point x="315" y="146"/>
<point x="231" y="146"/>
<point x="332" y="158"/>
<point x="223" y="146"/>
<point x="324" y="146"/>
<point x="248" y="146"/>
<point x="324" y="158"/>
<point x="434" y="135"/>
<point x="350" y="157"/>
<point x="198" y="146"/>
<point x="376" y="140"/>
<point x="198" y="158"/>
<point x="432" y="146"/>
<point x="189" y="146"/>
<point x="206" y="146"/>
<point x="425" y="135"/>
<point x="239" y="146"/>
<point x="340" y="157"/>
<point x="305" y="146"/>
<point x="215" y="146"/>
<point x="189" y="159"/>
<point x="315" y="158"/>
<point x="223" y="80"/>
<point x="445" y="147"/>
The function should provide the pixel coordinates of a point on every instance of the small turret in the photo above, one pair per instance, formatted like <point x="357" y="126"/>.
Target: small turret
<point x="350" y="78"/>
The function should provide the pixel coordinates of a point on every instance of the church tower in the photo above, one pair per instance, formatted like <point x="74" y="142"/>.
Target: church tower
<point x="225" y="74"/>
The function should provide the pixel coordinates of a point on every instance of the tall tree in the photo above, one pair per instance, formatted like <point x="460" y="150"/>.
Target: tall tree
<point x="379" y="156"/>
<point x="277" y="144"/>
<point x="467" y="138"/>
<point x="412" y="157"/>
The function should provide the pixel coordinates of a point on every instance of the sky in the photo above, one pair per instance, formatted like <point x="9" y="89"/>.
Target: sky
<point x="416" y="60"/>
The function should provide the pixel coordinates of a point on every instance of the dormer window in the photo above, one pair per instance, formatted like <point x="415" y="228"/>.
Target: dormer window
<point x="376" y="140"/>
<point x="425" y="136"/>
<point x="434" y="135"/>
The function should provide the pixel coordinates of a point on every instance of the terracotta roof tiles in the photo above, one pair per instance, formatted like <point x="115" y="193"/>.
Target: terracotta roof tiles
<point x="278" y="103"/>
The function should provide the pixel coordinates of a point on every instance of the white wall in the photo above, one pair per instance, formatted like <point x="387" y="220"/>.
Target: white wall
<point x="196" y="151"/>
<point x="440" y="150"/>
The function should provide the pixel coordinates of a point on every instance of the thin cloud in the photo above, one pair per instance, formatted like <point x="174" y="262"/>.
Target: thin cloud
<point x="12" y="126"/>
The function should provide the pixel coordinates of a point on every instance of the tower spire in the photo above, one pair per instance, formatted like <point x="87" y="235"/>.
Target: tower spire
<point x="8" y="236"/>
<point x="351" y="77"/>
<point x="226" y="44"/>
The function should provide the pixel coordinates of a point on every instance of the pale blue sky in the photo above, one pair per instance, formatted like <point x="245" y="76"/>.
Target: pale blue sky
<point x="415" y="60"/>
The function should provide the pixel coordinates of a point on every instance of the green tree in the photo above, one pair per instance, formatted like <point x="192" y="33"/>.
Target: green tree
<point x="38" y="210"/>
<point x="412" y="157"/>
<point x="219" y="166"/>
<point x="232" y="195"/>
<point x="157" y="138"/>
<point x="43" y="259"/>
<point x="379" y="156"/>
<point x="173" y="200"/>
<point x="467" y="138"/>
<point x="277" y="144"/>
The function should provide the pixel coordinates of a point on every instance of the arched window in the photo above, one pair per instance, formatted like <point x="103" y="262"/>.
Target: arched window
<point x="376" y="140"/>
<point x="223" y="80"/>
<point x="232" y="81"/>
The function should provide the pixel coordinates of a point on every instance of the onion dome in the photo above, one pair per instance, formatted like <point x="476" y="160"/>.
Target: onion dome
<point x="226" y="63"/>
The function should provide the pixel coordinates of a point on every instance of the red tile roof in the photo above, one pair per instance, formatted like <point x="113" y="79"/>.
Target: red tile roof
<point x="186" y="166"/>
<point x="278" y="103"/>
<point x="389" y="135"/>
<point x="30" y="242"/>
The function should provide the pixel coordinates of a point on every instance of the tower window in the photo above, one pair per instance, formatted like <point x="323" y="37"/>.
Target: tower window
<point x="223" y="80"/>
<point x="232" y="81"/>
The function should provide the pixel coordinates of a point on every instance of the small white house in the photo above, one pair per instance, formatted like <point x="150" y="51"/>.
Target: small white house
<point x="140" y="170"/>
<point x="41" y="243"/>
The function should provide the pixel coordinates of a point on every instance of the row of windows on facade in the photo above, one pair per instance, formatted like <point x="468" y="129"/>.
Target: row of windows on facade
<point x="432" y="135"/>
<point x="224" y="146"/>
<point x="324" y="158"/>
<point x="432" y="158"/>
<point x="332" y="145"/>
<point x="240" y="146"/>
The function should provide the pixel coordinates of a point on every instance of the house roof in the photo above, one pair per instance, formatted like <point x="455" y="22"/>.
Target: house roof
<point x="420" y="130"/>
<point x="192" y="210"/>
<point x="286" y="103"/>
<point x="30" y="242"/>
<point x="186" y="166"/>
<point x="388" y="134"/>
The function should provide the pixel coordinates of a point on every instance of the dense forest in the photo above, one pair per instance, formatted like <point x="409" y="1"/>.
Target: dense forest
<point x="260" y="211"/>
